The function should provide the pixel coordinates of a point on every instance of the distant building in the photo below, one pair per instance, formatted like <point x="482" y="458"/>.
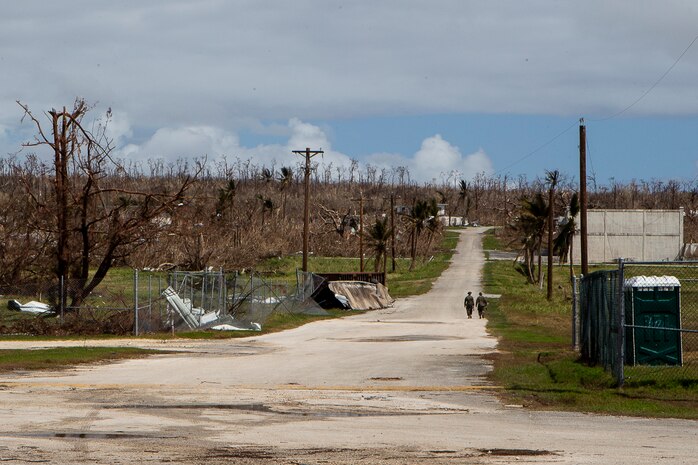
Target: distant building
<point x="638" y="235"/>
<point x="402" y="209"/>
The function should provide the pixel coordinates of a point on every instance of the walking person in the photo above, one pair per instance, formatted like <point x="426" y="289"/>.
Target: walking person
<point x="469" y="303"/>
<point x="481" y="305"/>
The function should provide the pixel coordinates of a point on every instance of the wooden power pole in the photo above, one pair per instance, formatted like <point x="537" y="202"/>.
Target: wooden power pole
<point x="392" y="230"/>
<point x="583" y="196"/>
<point x="361" y="229"/>
<point x="306" y="209"/>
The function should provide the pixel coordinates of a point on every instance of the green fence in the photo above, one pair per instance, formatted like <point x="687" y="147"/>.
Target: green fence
<point x="600" y="320"/>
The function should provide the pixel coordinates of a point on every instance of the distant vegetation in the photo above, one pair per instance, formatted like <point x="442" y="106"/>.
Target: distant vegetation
<point x="81" y="212"/>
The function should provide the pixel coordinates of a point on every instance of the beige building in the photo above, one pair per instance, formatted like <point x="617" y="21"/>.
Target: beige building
<point x="638" y="235"/>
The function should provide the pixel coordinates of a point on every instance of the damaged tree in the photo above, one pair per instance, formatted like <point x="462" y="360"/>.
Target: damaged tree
<point x="90" y="215"/>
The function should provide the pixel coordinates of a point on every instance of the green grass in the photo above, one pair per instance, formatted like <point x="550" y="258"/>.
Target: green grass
<point x="401" y="283"/>
<point x="490" y="240"/>
<point x="538" y="369"/>
<point x="60" y="357"/>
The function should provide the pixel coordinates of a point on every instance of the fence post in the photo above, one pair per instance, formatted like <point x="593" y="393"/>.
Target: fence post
<point x="300" y="284"/>
<point x="149" y="326"/>
<point x="135" y="300"/>
<point x="575" y="313"/>
<point x="620" y="340"/>
<point x="62" y="298"/>
<point x="221" y="286"/>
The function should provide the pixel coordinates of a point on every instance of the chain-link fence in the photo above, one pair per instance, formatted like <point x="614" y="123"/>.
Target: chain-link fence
<point x="640" y="321"/>
<point x="59" y="308"/>
<point x="137" y="302"/>
<point x="660" y="307"/>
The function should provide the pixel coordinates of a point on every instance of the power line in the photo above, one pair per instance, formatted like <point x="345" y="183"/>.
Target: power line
<point x="650" y="89"/>
<point x="537" y="149"/>
<point x="656" y="83"/>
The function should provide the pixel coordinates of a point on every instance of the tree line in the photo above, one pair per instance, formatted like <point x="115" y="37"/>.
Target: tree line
<point x="80" y="211"/>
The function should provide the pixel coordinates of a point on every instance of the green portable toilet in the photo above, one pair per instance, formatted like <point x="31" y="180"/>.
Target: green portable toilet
<point x="653" y="302"/>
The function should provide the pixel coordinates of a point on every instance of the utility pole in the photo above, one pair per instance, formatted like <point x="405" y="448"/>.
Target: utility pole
<point x="392" y="230"/>
<point x="553" y="177"/>
<point x="306" y="211"/>
<point x="361" y="229"/>
<point x="583" y="196"/>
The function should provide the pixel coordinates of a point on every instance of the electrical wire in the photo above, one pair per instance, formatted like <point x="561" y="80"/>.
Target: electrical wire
<point x="591" y="163"/>
<point x="553" y="139"/>
<point x="537" y="149"/>
<point x="651" y="88"/>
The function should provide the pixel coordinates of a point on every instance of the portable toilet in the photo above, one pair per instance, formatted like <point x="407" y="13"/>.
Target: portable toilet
<point x="653" y="316"/>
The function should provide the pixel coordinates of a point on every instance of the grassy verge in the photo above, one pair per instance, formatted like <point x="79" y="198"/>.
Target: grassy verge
<point x="537" y="367"/>
<point x="50" y="359"/>
<point x="401" y="282"/>
<point x="490" y="241"/>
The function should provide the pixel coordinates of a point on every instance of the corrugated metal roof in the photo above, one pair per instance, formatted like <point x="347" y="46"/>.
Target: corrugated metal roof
<point x="362" y="295"/>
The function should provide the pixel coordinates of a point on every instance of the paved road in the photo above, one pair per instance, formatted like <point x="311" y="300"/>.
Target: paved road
<point x="396" y="386"/>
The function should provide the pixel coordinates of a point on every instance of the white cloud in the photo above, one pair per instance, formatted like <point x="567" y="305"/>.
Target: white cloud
<point x="175" y="64"/>
<point x="305" y="135"/>
<point x="436" y="160"/>
<point x="206" y="70"/>
<point x="439" y="160"/>
<point x="118" y="128"/>
<point x="185" y="142"/>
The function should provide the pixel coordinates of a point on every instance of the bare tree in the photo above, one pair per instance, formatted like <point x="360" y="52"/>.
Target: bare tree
<point x="92" y="218"/>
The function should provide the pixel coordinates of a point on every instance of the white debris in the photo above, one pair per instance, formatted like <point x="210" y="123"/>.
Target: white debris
<point x="37" y="308"/>
<point x="342" y="300"/>
<point x="226" y="327"/>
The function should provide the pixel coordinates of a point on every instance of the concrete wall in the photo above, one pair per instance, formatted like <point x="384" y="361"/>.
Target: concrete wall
<point x="640" y="235"/>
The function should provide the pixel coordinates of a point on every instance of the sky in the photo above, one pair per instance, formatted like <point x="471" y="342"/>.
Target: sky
<point x="446" y="88"/>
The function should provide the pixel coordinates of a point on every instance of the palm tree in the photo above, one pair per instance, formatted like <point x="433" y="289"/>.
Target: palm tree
<point x="285" y="180"/>
<point x="418" y="217"/>
<point x="464" y="198"/>
<point x="226" y="198"/>
<point x="565" y="237"/>
<point x="267" y="206"/>
<point x="378" y="236"/>
<point x="530" y="226"/>
<point x="267" y="175"/>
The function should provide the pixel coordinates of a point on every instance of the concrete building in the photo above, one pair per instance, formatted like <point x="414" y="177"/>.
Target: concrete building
<point x="639" y="235"/>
